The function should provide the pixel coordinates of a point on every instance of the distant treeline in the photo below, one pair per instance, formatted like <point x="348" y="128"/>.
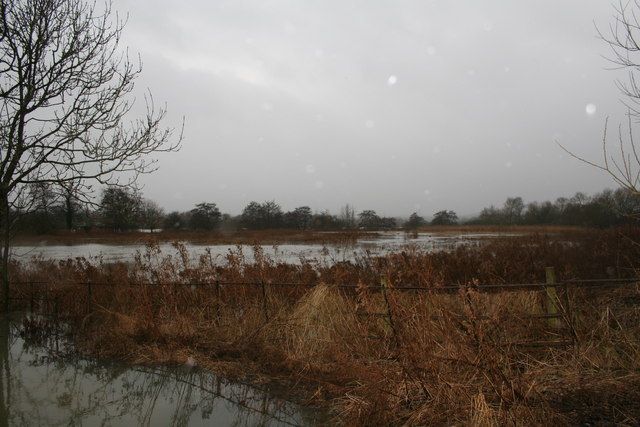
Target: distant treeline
<point x="121" y="209"/>
<point x="606" y="209"/>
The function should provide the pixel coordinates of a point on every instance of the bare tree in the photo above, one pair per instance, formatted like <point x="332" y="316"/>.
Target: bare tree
<point x="65" y="99"/>
<point x="513" y="208"/>
<point x="623" y="166"/>
<point x="151" y="215"/>
<point x="623" y="40"/>
<point x="348" y="216"/>
<point x="72" y="201"/>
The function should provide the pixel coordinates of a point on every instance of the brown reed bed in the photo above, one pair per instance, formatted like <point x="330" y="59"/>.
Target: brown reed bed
<point x="373" y="353"/>
<point x="518" y="229"/>
<point x="271" y="236"/>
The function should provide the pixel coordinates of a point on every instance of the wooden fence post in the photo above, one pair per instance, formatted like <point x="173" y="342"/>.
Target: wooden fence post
<point x="552" y="298"/>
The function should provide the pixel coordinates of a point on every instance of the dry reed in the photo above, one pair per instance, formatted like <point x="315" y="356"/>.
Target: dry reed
<point x="377" y="355"/>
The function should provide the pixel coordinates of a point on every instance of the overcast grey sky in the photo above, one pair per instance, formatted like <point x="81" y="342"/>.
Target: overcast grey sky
<point x="396" y="106"/>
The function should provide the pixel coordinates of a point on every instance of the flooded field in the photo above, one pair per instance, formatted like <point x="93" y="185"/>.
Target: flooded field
<point x="43" y="385"/>
<point x="376" y="244"/>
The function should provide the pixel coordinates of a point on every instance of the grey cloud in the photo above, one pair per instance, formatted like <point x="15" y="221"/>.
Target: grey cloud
<point x="482" y="92"/>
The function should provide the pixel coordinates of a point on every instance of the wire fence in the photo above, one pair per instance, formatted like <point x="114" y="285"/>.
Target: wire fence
<point x="558" y="312"/>
<point x="504" y="287"/>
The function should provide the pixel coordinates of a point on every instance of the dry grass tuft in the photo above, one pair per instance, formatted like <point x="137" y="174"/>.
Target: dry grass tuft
<point x="318" y="322"/>
<point x="482" y="415"/>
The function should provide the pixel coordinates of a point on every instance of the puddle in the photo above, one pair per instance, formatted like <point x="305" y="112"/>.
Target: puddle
<point x="39" y="386"/>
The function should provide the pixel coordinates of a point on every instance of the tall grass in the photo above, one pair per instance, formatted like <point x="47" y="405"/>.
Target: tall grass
<point x="377" y="356"/>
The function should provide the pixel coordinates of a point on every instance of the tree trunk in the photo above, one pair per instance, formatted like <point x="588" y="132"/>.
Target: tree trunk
<point x="5" y="229"/>
<point x="5" y="371"/>
<point x="69" y="211"/>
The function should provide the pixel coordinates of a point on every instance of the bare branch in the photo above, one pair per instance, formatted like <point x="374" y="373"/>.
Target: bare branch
<point x="65" y="99"/>
<point x="623" y="39"/>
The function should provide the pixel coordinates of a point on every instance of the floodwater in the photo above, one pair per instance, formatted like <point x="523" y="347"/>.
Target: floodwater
<point x="375" y="244"/>
<point x="41" y="386"/>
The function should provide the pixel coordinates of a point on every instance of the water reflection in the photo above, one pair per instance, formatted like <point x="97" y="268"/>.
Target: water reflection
<point x="375" y="244"/>
<point x="40" y="386"/>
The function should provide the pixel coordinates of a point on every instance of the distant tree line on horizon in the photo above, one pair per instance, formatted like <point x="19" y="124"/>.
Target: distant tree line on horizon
<point x="122" y="209"/>
<point x="605" y="209"/>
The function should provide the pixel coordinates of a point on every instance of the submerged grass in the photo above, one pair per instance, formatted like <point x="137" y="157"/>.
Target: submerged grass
<point x="378" y="356"/>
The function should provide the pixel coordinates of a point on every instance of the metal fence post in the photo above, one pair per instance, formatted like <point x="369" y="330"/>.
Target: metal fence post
<point x="31" y="299"/>
<point x="56" y="306"/>
<point x="89" y="296"/>
<point x="217" y="284"/>
<point x="392" y="326"/>
<point x="569" y="314"/>
<point x="551" y="298"/>
<point x="264" y="300"/>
